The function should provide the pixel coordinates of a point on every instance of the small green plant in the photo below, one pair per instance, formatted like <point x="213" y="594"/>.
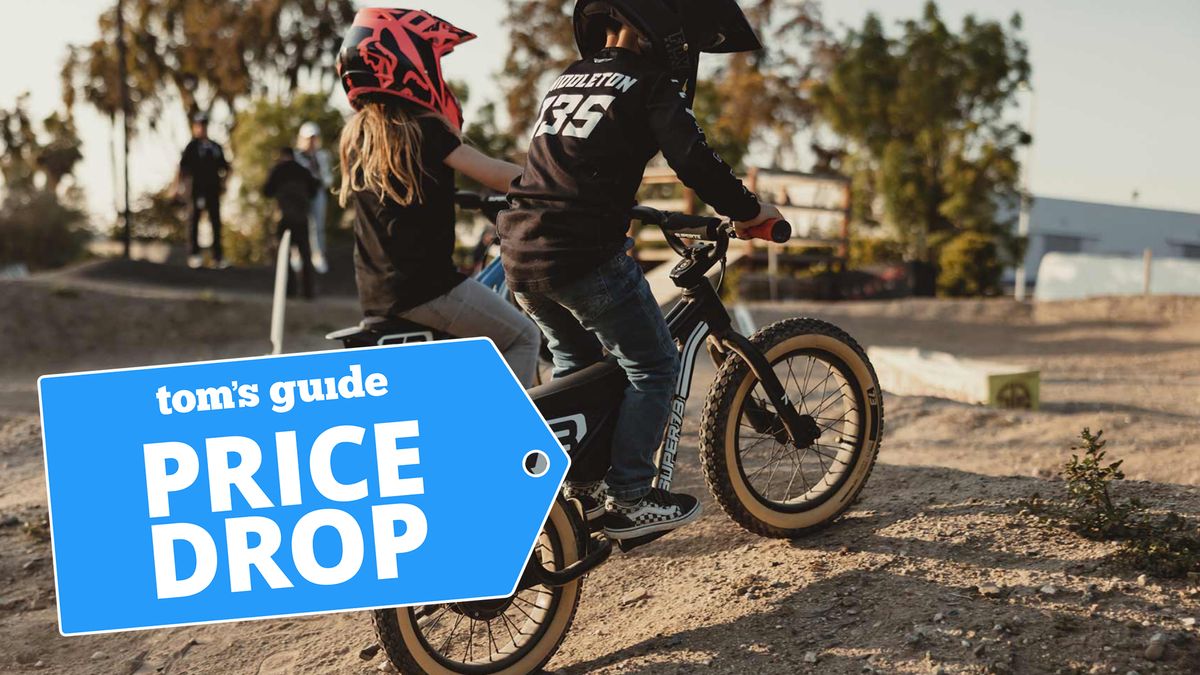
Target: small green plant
<point x="37" y="529"/>
<point x="1090" y="507"/>
<point x="1168" y="547"/>
<point x="1164" y="545"/>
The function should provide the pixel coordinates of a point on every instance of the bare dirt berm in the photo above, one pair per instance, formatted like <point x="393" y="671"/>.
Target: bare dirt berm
<point x="936" y="570"/>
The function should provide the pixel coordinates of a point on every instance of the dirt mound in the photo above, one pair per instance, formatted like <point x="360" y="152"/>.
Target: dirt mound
<point x="934" y="571"/>
<point x="255" y="280"/>
<point x="56" y="325"/>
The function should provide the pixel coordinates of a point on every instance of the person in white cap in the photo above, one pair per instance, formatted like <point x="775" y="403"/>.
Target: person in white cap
<point x="316" y="159"/>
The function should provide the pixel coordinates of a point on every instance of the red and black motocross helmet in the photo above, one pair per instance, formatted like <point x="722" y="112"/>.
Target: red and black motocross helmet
<point x="398" y="53"/>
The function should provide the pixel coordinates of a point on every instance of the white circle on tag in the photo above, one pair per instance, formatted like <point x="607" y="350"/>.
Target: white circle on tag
<point x="536" y="463"/>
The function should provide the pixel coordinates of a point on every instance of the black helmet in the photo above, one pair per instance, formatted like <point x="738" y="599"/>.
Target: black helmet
<point x="678" y="30"/>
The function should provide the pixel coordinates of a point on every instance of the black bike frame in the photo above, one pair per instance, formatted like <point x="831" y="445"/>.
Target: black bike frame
<point x="698" y="318"/>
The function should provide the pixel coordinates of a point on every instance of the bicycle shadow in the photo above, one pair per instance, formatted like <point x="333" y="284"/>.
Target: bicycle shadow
<point x="920" y="544"/>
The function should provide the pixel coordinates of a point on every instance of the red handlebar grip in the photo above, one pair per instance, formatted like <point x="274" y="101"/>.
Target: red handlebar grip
<point x="778" y="231"/>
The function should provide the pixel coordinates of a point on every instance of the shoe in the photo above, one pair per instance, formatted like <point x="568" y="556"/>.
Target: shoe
<point x="319" y="264"/>
<point x="658" y="511"/>
<point x="590" y="495"/>
<point x="195" y="261"/>
<point x="223" y="264"/>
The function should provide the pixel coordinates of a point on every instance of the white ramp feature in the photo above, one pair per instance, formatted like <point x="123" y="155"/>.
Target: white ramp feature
<point x="917" y="372"/>
<point x="1074" y="276"/>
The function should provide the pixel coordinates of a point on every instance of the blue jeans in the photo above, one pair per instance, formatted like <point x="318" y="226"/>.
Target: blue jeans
<point x="611" y="308"/>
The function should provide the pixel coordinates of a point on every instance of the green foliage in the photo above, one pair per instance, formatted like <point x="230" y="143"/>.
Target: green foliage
<point x="969" y="266"/>
<point x="158" y="215"/>
<point x="40" y="225"/>
<point x="1090" y="507"/>
<point x="27" y="154"/>
<point x="1166" y="545"/>
<point x="925" y="115"/>
<point x="199" y="54"/>
<point x="265" y="126"/>
<point x="37" y="229"/>
<point x="870" y="251"/>
<point x="541" y="44"/>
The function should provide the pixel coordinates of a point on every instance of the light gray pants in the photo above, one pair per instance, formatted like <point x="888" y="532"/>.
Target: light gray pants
<point x="474" y="310"/>
<point x="316" y="230"/>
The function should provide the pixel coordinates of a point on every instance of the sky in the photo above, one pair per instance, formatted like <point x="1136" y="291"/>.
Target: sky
<point x="1114" y="107"/>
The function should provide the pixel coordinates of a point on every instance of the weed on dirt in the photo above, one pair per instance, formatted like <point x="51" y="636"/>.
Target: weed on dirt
<point x="1162" y="544"/>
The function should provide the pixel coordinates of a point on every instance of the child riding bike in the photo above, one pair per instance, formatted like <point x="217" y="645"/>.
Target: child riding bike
<point x="399" y="154"/>
<point x="564" y="240"/>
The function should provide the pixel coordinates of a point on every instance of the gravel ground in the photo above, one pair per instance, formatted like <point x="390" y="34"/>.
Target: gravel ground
<point x="934" y="571"/>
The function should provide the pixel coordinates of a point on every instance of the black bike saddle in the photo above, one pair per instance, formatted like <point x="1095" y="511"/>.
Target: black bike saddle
<point x="374" y="331"/>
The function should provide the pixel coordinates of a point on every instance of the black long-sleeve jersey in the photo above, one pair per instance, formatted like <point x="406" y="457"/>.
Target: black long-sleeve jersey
<point x="603" y="120"/>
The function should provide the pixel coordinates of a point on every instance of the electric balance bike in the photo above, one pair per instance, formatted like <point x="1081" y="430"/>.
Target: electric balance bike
<point x="789" y="433"/>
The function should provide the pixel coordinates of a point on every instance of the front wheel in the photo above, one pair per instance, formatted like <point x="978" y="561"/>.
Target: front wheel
<point x="763" y="481"/>
<point x="511" y="636"/>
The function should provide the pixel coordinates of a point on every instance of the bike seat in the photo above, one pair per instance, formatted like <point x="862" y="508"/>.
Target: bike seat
<point x="385" y="330"/>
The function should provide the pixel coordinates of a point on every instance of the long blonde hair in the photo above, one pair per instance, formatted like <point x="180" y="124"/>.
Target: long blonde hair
<point x="381" y="153"/>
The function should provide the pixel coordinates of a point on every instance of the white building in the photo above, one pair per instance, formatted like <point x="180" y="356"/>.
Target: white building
<point x="1068" y="226"/>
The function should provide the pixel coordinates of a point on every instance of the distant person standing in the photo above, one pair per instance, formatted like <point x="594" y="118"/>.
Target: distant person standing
<point x="204" y="167"/>
<point x="317" y="160"/>
<point x="293" y="186"/>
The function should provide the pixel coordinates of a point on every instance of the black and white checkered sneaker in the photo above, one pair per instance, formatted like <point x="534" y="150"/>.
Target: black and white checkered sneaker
<point x="658" y="511"/>
<point x="590" y="495"/>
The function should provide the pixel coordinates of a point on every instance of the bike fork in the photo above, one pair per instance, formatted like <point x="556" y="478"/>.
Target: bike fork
<point x="800" y="430"/>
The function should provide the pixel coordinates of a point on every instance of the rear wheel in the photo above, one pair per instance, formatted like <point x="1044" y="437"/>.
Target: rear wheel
<point x="513" y="635"/>
<point x="763" y="481"/>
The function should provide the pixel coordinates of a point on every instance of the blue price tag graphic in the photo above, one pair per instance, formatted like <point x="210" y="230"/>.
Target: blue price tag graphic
<point x="290" y="485"/>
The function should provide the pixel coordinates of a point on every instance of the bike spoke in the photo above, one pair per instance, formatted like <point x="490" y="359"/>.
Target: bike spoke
<point x="453" y="630"/>
<point x="470" y="638"/>
<point x="492" y="641"/>
<point x="807" y="373"/>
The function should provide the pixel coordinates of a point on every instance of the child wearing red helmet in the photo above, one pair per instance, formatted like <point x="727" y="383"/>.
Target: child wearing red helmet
<point x="399" y="154"/>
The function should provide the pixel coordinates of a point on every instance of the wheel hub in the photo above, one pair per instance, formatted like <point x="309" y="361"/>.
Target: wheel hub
<point x="810" y="432"/>
<point x="482" y="610"/>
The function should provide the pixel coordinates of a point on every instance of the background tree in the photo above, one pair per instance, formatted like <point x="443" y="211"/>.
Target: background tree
<point x="925" y="118"/>
<point x="541" y="44"/>
<point x="41" y="223"/>
<point x="194" y="55"/>
<point x="741" y="99"/>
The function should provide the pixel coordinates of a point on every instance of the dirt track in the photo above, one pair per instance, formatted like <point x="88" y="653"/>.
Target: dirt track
<point x="892" y="588"/>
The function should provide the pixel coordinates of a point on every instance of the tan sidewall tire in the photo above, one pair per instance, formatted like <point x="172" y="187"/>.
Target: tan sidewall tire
<point x="727" y="482"/>
<point x="564" y="612"/>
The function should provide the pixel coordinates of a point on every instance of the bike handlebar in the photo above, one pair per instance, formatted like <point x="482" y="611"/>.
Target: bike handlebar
<point x="708" y="228"/>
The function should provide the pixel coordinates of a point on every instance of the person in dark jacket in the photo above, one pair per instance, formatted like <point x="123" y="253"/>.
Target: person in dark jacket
<point x="205" y="169"/>
<point x="564" y="241"/>
<point x="293" y="187"/>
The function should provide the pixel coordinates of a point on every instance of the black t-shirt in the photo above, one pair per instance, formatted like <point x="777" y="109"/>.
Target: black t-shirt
<point x="404" y="255"/>
<point x="293" y="186"/>
<point x="602" y="121"/>
<point x="204" y="162"/>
